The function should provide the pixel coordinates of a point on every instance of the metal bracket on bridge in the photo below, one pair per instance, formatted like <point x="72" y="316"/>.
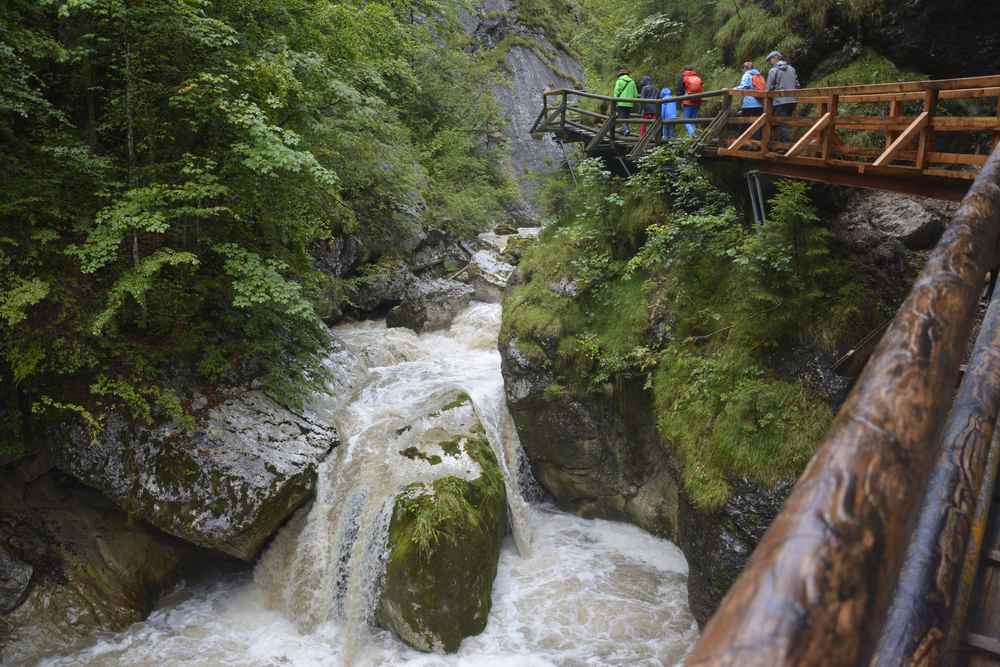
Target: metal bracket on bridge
<point x="757" y="202"/>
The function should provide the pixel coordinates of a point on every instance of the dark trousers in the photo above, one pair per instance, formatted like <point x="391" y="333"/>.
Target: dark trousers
<point x="624" y="112"/>
<point x="751" y="112"/>
<point x="787" y="110"/>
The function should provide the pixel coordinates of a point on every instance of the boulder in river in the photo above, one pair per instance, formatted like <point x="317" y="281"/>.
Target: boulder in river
<point x="445" y="536"/>
<point x="227" y="485"/>
<point x="430" y="304"/>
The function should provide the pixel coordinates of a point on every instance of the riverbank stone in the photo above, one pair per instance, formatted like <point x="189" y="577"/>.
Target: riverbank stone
<point x="227" y="485"/>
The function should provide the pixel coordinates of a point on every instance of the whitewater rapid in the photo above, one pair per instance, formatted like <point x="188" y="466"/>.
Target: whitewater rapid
<point x="568" y="591"/>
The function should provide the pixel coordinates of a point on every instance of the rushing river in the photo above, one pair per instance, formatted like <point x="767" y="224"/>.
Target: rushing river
<point x="568" y="591"/>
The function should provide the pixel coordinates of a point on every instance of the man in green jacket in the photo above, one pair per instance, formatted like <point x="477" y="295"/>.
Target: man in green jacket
<point x="624" y="87"/>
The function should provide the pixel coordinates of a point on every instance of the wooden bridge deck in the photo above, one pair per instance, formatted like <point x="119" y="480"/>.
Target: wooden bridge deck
<point x="928" y="138"/>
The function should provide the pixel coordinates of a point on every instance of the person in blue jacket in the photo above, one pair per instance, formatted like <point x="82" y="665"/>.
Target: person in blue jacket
<point x="667" y="111"/>
<point x="752" y="80"/>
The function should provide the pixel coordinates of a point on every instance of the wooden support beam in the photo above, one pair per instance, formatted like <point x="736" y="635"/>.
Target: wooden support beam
<point x="608" y="125"/>
<point x="927" y="136"/>
<point x="904" y="139"/>
<point x="895" y="110"/>
<point x="810" y="136"/>
<point x="748" y="133"/>
<point x="831" y="128"/>
<point x="768" y="116"/>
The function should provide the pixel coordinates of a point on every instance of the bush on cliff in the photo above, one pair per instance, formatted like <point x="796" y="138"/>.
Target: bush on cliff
<point x="658" y="277"/>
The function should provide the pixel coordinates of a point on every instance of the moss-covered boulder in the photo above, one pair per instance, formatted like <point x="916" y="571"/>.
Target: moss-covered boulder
<point x="228" y="484"/>
<point x="445" y="538"/>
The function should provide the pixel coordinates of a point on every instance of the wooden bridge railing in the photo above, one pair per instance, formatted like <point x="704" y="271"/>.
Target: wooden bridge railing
<point x="870" y="560"/>
<point x="907" y="136"/>
<point x="564" y="114"/>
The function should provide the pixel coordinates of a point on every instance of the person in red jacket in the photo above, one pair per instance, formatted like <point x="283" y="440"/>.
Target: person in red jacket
<point x="690" y="83"/>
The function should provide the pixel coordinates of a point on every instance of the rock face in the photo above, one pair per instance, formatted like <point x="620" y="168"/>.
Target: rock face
<point x="430" y="304"/>
<point x="72" y="564"/>
<point x="229" y="485"/>
<point x="445" y="536"/>
<point x="15" y="575"/>
<point x="603" y="457"/>
<point x="885" y="230"/>
<point x="934" y="37"/>
<point x="519" y="96"/>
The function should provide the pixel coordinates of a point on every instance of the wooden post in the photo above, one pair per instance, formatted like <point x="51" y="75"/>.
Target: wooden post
<point x="562" y="110"/>
<point x="927" y="134"/>
<point x="831" y="129"/>
<point x="765" y="137"/>
<point x="996" y="133"/>
<point x="895" y="111"/>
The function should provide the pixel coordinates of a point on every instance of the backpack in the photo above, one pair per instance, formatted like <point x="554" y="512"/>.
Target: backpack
<point x="693" y="83"/>
<point x="757" y="80"/>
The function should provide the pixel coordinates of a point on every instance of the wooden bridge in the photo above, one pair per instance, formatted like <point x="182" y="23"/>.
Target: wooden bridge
<point x="887" y="552"/>
<point x="928" y="138"/>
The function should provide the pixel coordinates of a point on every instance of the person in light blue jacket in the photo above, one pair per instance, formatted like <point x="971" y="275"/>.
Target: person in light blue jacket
<point x="752" y="80"/>
<point x="667" y="111"/>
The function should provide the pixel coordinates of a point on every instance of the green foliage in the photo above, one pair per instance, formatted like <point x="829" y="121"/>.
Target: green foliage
<point x="171" y="165"/>
<point x="658" y="278"/>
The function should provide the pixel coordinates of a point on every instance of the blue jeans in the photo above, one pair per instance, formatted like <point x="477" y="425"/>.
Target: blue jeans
<point x="691" y="112"/>
<point x="668" y="131"/>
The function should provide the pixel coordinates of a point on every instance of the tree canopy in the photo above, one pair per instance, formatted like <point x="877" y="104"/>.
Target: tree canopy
<point x="171" y="167"/>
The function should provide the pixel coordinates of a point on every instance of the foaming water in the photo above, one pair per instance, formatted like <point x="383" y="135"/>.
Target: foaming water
<point x="589" y="593"/>
<point x="568" y="591"/>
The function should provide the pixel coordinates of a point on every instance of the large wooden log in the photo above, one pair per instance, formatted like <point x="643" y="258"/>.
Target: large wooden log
<point x="817" y="588"/>
<point x="920" y="619"/>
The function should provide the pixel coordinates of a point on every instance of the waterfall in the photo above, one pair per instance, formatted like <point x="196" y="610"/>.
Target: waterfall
<point x="568" y="591"/>
<point x="328" y="562"/>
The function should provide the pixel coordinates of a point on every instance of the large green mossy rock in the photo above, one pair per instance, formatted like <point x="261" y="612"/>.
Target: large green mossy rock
<point x="444" y="544"/>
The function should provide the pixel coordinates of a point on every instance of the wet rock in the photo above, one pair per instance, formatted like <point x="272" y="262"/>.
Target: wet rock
<point x="439" y="251"/>
<point x="884" y="232"/>
<point x="718" y="545"/>
<point x="228" y="485"/>
<point x="602" y="456"/>
<point x="488" y="275"/>
<point x="917" y="222"/>
<point x="340" y="256"/>
<point x="91" y="568"/>
<point x="15" y="575"/>
<point x="381" y="288"/>
<point x="445" y="535"/>
<point x="430" y="304"/>
<point x="591" y="458"/>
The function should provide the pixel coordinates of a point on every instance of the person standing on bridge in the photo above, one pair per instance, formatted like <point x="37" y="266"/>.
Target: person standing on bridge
<point x="752" y="80"/>
<point x="624" y="88"/>
<point x="668" y="111"/>
<point x="690" y="84"/>
<point x="782" y="77"/>
<point x="649" y="109"/>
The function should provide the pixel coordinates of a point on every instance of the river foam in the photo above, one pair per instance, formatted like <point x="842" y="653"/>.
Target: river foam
<point x="568" y="592"/>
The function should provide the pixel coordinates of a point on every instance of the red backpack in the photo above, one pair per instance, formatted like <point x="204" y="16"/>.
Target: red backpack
<point x="757" y="80"/>
<point x="693" y="83"/>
